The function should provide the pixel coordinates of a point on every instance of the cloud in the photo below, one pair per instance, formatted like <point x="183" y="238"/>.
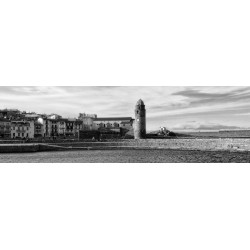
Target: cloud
<point x="177" y="105"/>
<point x="244" y="114"/>
<point x="194" y="125"/>
<point x="214" y="96"/>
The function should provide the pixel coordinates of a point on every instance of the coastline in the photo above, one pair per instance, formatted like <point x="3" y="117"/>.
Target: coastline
<point x="201" y="144"/>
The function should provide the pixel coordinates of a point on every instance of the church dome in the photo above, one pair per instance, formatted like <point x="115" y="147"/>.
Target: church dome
<point x="140" y="103"/>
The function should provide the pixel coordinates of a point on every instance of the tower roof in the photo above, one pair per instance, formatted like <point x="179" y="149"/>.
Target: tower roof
<point x="140" y="103"/>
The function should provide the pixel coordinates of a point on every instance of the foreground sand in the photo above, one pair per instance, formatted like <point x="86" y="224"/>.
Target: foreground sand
<point x="126" y="156"/>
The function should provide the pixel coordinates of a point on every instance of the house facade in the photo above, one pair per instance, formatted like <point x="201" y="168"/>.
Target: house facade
<point x="113" y="123"/>
<point x="10" y="113"/>
<point x="5" y="128"/>
<point x="22" y="129"/>
<point x="87" y="121"/>
<point x="61" y="125"/>
<point x="39" y="129"/>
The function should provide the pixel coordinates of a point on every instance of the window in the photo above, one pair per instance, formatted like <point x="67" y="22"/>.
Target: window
<point x="22" y="134"/>
<point x="18" y="134"/>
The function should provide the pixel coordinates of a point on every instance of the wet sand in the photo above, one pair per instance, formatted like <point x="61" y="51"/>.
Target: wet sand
<point x="128" y="156"/>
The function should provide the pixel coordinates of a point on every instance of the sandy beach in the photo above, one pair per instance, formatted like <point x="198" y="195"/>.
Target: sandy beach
<point x="128" y="156"/>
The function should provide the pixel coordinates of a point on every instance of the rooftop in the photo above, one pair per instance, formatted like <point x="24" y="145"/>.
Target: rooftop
<point x="31" y="115"/>
<point x="62" y="119"/>
<point x="21" y="122"/>
<point x="113" y="119"/>
<point x="9" y="110"/>
<point x="125" y="122"/>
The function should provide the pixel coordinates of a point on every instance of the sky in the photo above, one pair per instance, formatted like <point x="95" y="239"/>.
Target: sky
<point x="177" y="108"/>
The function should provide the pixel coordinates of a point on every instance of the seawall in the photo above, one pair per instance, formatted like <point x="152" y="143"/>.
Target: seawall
<point x="25" y="148"/>
<point x="18" y="148"/>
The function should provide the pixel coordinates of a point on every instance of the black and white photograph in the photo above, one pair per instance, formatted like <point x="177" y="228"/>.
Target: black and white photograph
<point x="124" y="125"/>
<point x="114" y="125"/>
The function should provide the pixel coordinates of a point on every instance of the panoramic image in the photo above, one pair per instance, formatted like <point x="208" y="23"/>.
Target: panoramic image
<point x="123" y="124"/>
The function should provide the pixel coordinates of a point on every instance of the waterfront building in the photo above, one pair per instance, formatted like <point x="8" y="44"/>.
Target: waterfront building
<point x="47" y="127"/>
<point x="61" y="125"/>
<point x="78" y="125"/>
<point x="39" y="129"/>
<point x="5" y="128"/>
<point x="54" y="127"/>
<point x="113" y="123"/>
<point x="69" y="127"/>
<point x="73" y="126"/>
<point x="87" y="120"/>
<point x="83" y="115"/>
<point x="10" y="114"/>
<point x="22" y="129"/>
<point x="54" y="117"/>
<point x="50" y="127"/>
<point x="31" y="116"/>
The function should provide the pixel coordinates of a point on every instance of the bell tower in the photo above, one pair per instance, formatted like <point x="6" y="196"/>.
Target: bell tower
<point x="140" y="120"/>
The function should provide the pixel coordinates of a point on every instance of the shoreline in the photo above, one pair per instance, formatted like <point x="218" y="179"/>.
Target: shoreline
<point x="215" y="144"/>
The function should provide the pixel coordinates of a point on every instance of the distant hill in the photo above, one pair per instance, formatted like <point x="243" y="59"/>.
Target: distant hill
<point x="220" y="134"/>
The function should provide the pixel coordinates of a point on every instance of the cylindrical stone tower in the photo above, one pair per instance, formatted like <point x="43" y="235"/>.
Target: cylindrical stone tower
<point x="140" y="120"/>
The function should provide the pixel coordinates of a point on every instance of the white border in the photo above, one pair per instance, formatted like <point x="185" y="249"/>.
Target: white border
<point x="119" y="206"/>
<point x="115" y="43"/>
